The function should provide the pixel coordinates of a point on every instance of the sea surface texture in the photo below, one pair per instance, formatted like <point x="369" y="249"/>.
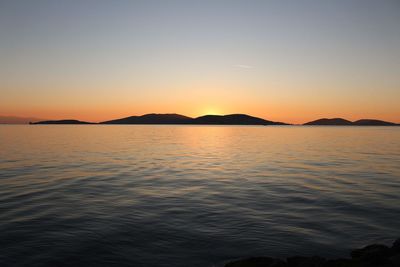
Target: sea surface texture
<point x="102" y="195"/>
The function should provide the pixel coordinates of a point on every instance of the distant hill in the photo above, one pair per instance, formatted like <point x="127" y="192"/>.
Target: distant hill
<point x="17" y="120"/>
<point x="370" y="122"/>
<point x="233" y="119"/>
<point x="343" y="122"/>
<point x="152" y="118"/>
<point x="63" y="122"/>
<point x="334" y="121"/>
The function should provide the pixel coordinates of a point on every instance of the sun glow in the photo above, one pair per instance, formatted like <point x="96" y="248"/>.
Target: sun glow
<point x="211" y="111"/>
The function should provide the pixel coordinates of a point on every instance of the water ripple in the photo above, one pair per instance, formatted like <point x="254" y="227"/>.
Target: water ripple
<point x="193" y="196"/>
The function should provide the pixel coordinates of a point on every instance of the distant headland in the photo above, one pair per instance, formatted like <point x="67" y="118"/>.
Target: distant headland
<point x="232" y="119"/>
<point x="62" y="122"/>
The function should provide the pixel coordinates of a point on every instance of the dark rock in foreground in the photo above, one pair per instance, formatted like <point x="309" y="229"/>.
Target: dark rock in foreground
<point x="257" y="262"/>
<point x="369" y="256"/>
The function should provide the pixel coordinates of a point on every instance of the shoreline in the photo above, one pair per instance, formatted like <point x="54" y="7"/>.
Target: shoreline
<point x="368" y="256"/>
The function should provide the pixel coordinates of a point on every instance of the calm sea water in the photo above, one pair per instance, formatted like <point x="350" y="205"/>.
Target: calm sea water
<point x="193" y="195"/>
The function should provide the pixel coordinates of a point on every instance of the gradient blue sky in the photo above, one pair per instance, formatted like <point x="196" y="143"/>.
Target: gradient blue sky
<point x="281" y="60"/>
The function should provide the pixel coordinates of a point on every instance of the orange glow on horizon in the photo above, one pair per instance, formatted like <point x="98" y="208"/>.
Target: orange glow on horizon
<point x="282" y="113"/>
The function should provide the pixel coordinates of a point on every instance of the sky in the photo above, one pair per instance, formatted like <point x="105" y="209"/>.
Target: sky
<point x="282" y="60"/>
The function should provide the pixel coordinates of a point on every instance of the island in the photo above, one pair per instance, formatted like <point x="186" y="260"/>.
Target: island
<point x="370" y="122"/>
<point x="173" y="118"/>
<point x="334" y="121"/>
<point x="344" y="122"/>
<point x="152" y="118"/>
<point x="234" y="119"/>
<point x="231" y="119"/>
<point x="62" y="122"/>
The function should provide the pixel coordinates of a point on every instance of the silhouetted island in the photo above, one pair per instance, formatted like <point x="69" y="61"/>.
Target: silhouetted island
<point x="369" y="122"/>
<point x="152" y="118"/>
<point x="343" y="122"/>
<point x="369" y="256"/>
<point x="232" y="119"/>
<point x="325" y="121"/>
<point x="63" y="122"/>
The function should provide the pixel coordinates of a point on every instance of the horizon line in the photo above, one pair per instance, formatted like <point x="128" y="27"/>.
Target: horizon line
<point x="35" y="120"/>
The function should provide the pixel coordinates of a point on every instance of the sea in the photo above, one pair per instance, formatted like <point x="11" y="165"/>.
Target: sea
<point x="170" y="195"/>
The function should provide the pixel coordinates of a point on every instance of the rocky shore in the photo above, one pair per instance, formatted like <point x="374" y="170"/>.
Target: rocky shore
<point x="369" y="256"/>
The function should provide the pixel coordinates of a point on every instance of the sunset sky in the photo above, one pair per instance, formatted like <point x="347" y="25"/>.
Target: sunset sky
<point x="291" y="61"/>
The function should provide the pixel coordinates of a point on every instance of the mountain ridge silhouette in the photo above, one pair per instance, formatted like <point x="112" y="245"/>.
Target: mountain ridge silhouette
<point x="344" y="122"/>
<point x="230" y="119"/>
<point x="152" y="118"/>
<point x="173" y="118"/>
